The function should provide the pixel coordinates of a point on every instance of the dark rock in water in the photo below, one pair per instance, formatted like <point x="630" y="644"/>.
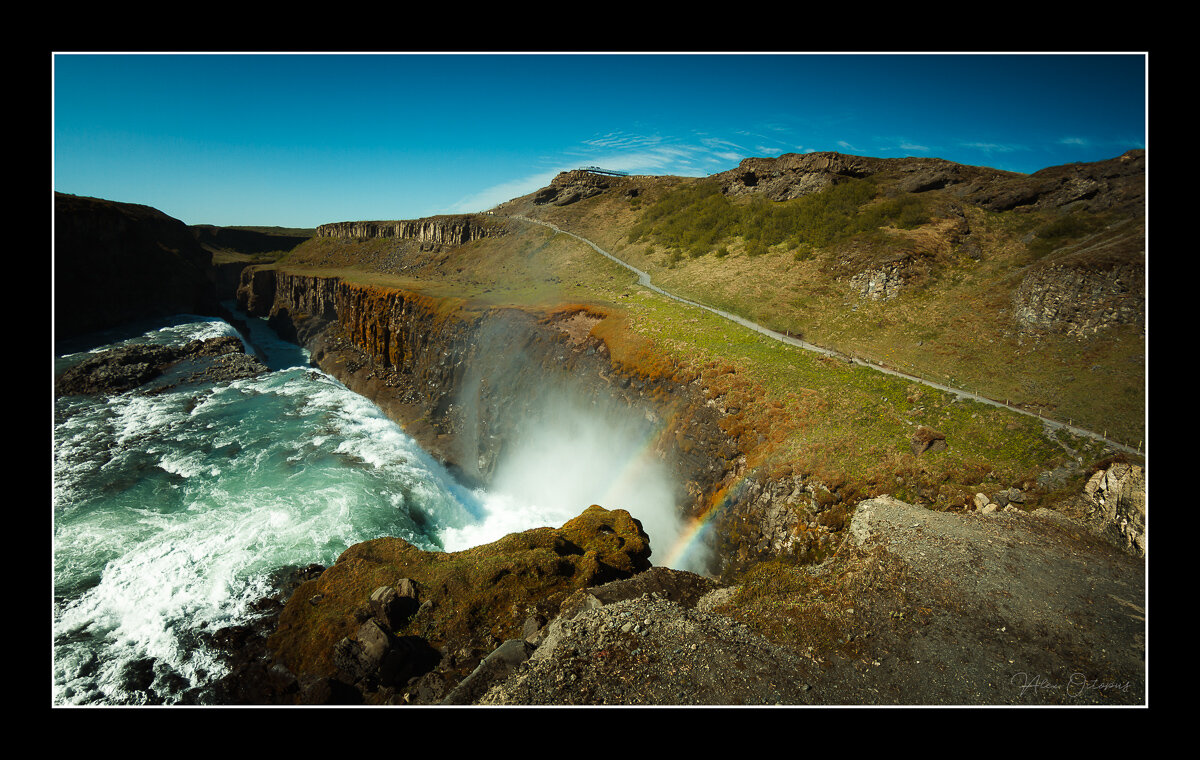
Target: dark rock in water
<point x="138" y="675"/>
<point x="122" y="369"/>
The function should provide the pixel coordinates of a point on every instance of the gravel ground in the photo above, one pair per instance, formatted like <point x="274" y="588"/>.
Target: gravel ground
<point x="931" y="609"/>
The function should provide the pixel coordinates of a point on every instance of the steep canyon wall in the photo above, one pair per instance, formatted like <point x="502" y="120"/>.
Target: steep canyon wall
<point x="489" y="391"/>
<point x="119" y="262"/>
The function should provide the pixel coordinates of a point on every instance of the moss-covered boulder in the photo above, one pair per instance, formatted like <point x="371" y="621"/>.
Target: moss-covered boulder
<point x="469" y="600"/>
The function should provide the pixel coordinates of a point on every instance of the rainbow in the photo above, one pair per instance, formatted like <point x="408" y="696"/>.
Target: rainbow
<point x="632" y="475"/>
<point x="693" y="535"/>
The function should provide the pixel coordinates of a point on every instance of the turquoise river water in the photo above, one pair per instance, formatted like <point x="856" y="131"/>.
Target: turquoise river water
<point x="172" y="513"/>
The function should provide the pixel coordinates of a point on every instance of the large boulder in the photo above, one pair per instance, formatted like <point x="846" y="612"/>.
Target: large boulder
<point x="344" y="624"/>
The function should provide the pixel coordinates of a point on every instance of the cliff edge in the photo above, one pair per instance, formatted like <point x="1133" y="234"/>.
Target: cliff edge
<point x="119" y="262"/>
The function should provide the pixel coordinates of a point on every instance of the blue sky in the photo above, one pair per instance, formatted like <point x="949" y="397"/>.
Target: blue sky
<point x="300" y="140"/>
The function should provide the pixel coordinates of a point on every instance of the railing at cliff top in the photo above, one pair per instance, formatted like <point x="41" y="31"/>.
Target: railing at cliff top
<point x="598" y="170"/>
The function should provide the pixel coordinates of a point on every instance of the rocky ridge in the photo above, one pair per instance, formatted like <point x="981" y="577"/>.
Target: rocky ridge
<point x="1095" y="283"/>
<point x="1117" y="183"/>
<point x="917" y="608"/>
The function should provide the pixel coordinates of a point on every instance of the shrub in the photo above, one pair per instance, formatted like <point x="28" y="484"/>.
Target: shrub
<point x="1062" y="231"/>
<point x="700" y="216"/>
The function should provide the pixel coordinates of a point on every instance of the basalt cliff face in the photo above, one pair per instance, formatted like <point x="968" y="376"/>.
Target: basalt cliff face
<point x="432" y="231"/>
<point x="119" y="262"/>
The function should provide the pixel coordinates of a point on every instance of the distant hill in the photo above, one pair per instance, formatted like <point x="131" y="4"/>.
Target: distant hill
<point x="249" y="240"/>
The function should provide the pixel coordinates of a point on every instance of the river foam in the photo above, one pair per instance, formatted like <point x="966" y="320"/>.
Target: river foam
<point x="174" y="512"/>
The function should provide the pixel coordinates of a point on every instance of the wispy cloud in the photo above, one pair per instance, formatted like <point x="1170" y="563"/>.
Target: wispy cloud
<point x="887" y="145"/>
<point x="661" y="154"/>
<point x="1073" y="141"/>
<point x="992" y="147"/>
<point x="633" y="152"/>
<point x="497" y="194"/>
<point x="623" y="140"/>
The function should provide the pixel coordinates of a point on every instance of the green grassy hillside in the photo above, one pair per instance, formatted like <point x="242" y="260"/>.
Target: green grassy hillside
<point x="795" y="411"/>
<point x="801" y="266"/>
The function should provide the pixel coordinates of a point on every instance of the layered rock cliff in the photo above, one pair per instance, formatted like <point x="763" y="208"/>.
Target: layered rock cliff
<point x="439" y="230"/>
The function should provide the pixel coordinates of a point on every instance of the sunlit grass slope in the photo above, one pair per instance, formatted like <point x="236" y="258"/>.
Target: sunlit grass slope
<point x="791" y="411"/>
<point x="789" y="266"/>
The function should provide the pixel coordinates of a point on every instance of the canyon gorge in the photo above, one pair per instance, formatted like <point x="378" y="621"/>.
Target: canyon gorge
<point x="809" y="579"/>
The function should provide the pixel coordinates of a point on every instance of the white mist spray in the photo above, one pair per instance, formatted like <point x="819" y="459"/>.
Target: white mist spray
<point x="568" y="455"/>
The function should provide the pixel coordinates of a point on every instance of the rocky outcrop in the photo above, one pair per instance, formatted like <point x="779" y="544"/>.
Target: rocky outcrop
<point x="793" y="175"/>
<point x="570" y="187"/>
<point x="119" y="262"/>
<point x="391" y="623"/>
<point x="1086" y="291"/>
<point x="880" y="283"/>
<point x="158" y="367"/>
<point x="430" y="231"/>
<point x="1115" y="499"/>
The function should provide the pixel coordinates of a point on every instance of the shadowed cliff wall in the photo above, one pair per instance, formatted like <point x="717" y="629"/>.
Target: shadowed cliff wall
<point x="118" y="262"/>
